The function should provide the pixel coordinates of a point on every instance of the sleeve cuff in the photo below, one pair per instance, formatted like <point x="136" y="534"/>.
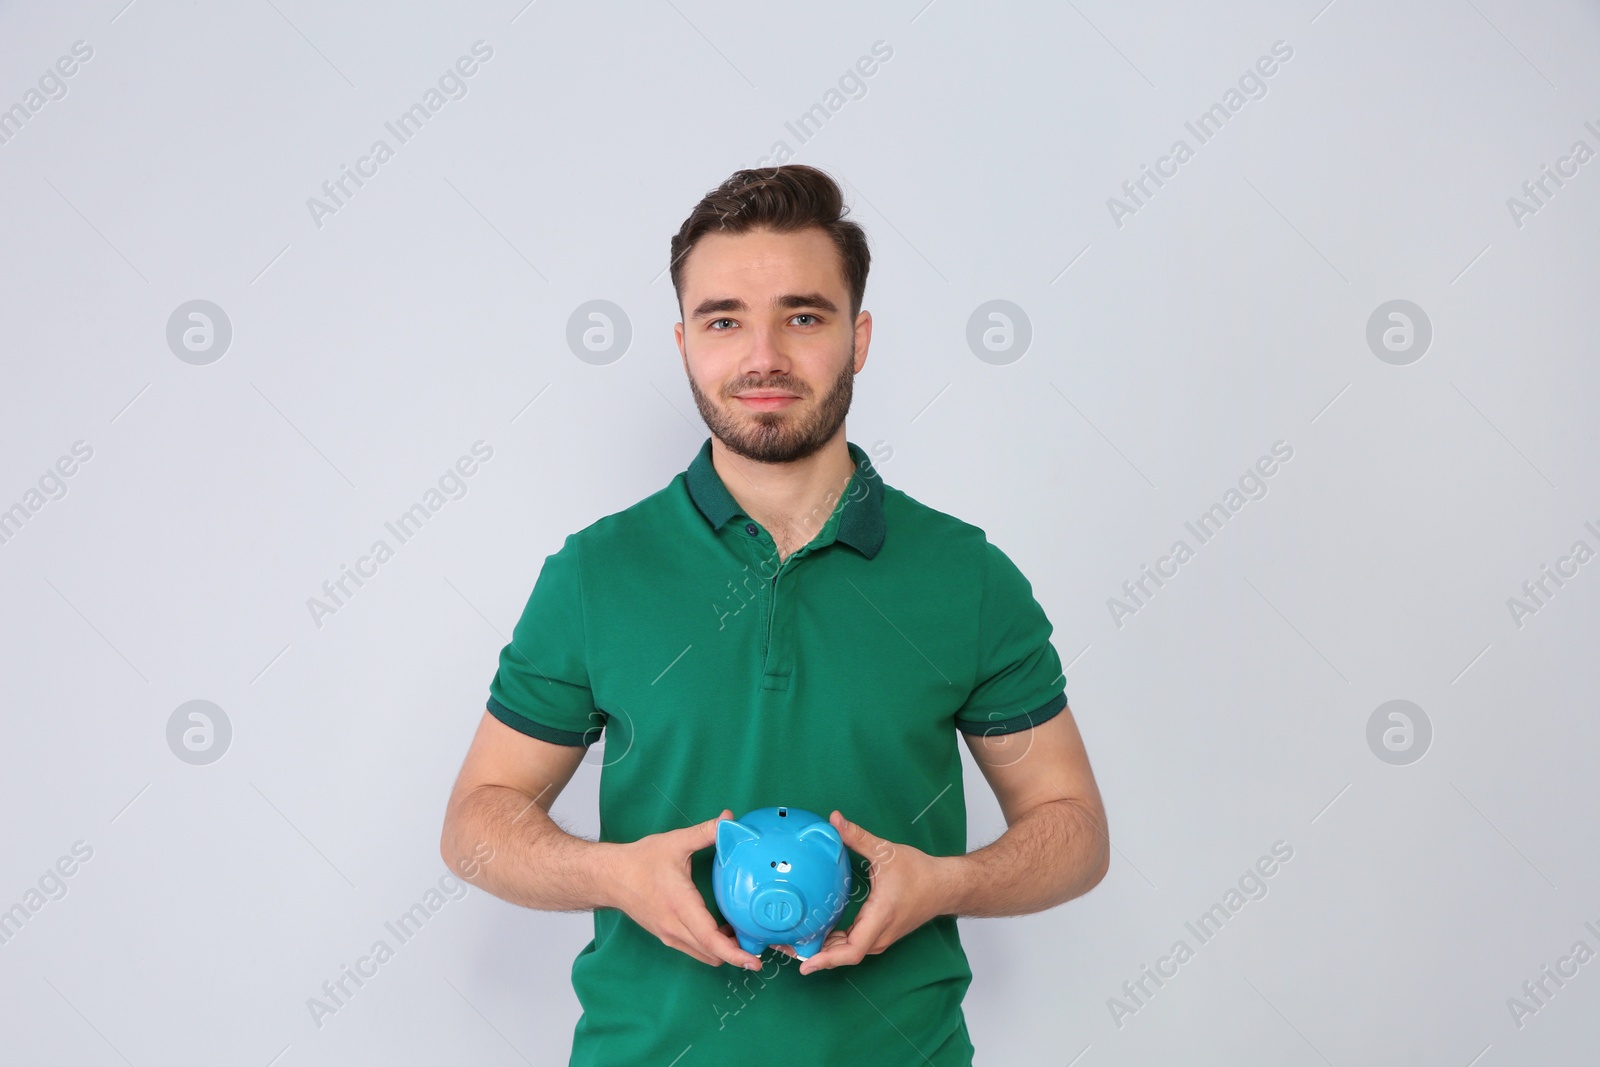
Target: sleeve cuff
<point x="524" y="725"/>
<point x="1027" y="720"/>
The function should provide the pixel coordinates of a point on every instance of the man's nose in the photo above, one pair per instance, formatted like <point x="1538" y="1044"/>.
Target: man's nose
<point x="765" y="356"/>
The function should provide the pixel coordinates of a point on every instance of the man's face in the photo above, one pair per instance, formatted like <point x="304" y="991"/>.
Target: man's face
<point x="768" y="343"/>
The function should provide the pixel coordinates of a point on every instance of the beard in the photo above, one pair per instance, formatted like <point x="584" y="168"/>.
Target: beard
<point x="778" y="436"/>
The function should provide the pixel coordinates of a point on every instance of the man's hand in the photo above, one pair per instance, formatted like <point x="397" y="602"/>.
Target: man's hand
<point x="909" y="887"/>
<point x="654" y="888"/>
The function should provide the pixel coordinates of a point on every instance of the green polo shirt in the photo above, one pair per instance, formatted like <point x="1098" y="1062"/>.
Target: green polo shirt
<point x="721" y="678"/>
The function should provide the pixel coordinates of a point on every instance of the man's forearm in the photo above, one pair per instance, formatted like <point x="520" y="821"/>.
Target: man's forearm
<point x="1051" y="854"/>
<point x="501" y="841"/>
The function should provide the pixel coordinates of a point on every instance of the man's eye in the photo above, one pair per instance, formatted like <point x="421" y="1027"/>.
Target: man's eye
<point x="714" y="322"/>
<point x="805" y="315"/>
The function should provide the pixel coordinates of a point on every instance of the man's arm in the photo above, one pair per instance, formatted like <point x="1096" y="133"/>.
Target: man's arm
<point x="498" y="834"/>
<point x="1055" y="846"/>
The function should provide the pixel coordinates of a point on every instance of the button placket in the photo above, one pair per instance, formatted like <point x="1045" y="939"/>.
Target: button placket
<point x="776" y="664"/>
<point x="762" y="552"/>
<point x="778" y="649"/>
<point x="777" y="641"/>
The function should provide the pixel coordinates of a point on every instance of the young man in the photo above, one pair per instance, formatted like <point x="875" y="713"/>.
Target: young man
<point x="776" y="627"/>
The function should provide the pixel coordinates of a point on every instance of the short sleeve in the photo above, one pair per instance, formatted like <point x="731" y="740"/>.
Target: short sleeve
<point x="541" y="687"/>
<point x="1019" y="682"/>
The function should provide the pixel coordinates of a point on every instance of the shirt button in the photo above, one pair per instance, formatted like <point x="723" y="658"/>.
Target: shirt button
<point x="751" y="529"/>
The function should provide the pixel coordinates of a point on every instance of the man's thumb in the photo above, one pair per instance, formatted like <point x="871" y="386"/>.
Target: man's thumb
<point x="851" y="833"/>
<point x="705" y="834"/>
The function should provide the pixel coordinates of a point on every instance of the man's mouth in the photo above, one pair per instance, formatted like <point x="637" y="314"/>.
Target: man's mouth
<point x="766" y="399"/>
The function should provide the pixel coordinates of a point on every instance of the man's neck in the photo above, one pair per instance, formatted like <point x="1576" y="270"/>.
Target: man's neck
<point x="792" y="500"/>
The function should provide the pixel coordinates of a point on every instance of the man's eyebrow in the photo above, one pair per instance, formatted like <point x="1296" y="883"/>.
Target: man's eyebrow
<point x="717" y="305"/>
<point x="805" y="300"/>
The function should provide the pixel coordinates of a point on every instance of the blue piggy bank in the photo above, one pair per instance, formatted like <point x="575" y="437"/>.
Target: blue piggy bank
<point x="781" y="877"/>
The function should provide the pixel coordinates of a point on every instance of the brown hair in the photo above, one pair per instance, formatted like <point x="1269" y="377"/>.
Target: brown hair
<point x="784" y="199"/>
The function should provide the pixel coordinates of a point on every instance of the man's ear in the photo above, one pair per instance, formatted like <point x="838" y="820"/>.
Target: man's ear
<point x="863" y="330"/>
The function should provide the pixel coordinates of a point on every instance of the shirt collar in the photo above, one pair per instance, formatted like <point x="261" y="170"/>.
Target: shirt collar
<point x="861" y="524"/>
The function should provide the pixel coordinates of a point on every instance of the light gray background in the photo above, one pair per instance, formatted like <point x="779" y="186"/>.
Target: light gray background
<point x="1168" y="354"/>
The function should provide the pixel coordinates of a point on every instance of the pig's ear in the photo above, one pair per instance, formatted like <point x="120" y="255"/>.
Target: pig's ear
<point x="731" y="832"/>
<point x="826" y="836"/>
